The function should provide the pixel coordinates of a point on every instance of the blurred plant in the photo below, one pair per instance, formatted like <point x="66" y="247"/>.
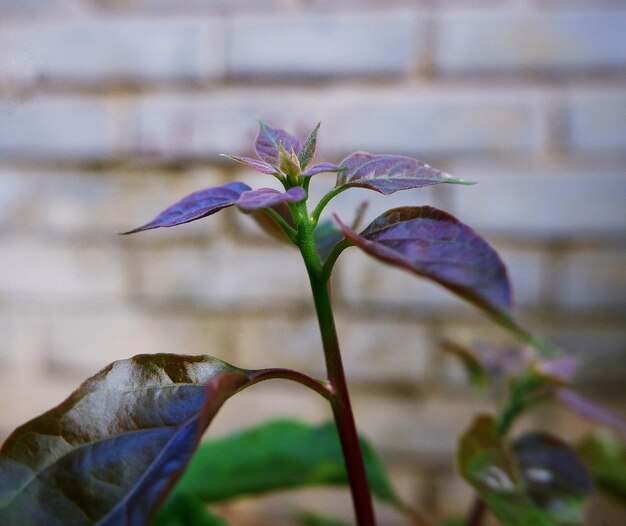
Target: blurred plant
<point x="112" y="453"/>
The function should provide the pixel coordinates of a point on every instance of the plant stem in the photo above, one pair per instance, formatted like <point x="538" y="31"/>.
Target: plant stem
<point x="319" y="387"/>
<point x="477" y="513"/>
<point x="342" y="409"/>
<point x="340" y="399"/>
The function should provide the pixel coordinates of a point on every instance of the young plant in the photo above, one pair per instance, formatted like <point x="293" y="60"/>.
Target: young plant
<point x="113" y="451"/>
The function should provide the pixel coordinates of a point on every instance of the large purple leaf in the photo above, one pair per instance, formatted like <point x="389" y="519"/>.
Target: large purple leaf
<point x="435" y="245"/>
<point x="196" y="206"/>
<point x="268" y="197"/>
<point x="389" y="173"/>
<point x="268" y="140"/>
<point x="110" y="453"/>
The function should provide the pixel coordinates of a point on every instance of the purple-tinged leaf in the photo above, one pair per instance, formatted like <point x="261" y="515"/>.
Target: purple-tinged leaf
<point x="435" y="245"/>
<point x="326" y="236"/>
<point x="563" y="368"/>
<point x="112" y="451"/>
<point x="196" y="206"/>
<point x="308" y="148"/>
<point x="268" y="197"/>
<point x="554" y="477"/>
<point x="319" y="168"/>
<point x="268" y="140"/>
<point x="488" y="465"/>
<point x="260" y="166"/>
<point x="591" y="410"/>
<point x="389" y="173"/>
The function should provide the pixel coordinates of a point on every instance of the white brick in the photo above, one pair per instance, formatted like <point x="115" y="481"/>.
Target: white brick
<point x="426" y="428"/>
<point x="37" y="7"/>
<point x="564" y="203"/>
<point x="382" y="120"/>
<point x="40" y="270"/>
<point x="598" y="120"/>
<point x="84" y="342"/>
<point x="59" y="127"/>
<point x="324" y="44"/>
<point x="96" y="51"/>
<point x="516" y="41"/>
<point x="21" y="195"/>
<point x="224" y="275"/>
<point x="593" y="278"/>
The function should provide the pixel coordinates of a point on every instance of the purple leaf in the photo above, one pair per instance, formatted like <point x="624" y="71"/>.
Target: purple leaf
<point x="267" y="141"/>
<point x="591" y="410"/>
<point x="112" y="451"/>
<point x="554" y="476"/>
<point x="389" y="173"/>
<point x="196" y="206"/>
<point x="319" y="168"/>
<point x="260" y="166"/>
<point x="308" y="148"/>
<point x="435" y="245"/>
<point x="268" y="197"/>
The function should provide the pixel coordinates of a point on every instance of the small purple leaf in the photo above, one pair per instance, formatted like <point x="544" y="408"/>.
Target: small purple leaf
<point x="319" y="168"/>
<point x="196" y="206"/>
<point x="267" y="141"/>
<point x="112" y="451"/>
<point x="435" y="245"/>
<point x="308" y="148"/>
<point x="268" y="197"/>
<point x="591" y="410"/>
<point x="260" y="166"/>
<point x="389" y="173"/>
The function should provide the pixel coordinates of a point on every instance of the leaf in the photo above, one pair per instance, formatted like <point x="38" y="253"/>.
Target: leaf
<point x="605" y="456"/>
<point x="389" y="173"/>
<point x="196" y="206"/>
<point x="309" y="518"/>
<point x="319" y="168"/>
<point x="326" y="236"/>
<point x="110" y="453"/>
<point x="260" y="166"/>
<point x="435" y="245"/>
<point x="308" y="148"/>
<point x="555" y="478"/>
<point x="185" y="510"/>
<point x="268" y="140"/>
<point x="591" y="410"/>
<point x="276" y="455"/>
<point x="488" y="465"/>
<point x="268" y="197"/>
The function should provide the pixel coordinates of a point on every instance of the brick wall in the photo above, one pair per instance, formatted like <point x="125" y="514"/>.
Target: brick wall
<point x="112" y="109"/>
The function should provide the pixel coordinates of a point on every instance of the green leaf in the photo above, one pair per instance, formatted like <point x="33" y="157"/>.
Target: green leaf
<point x="308" y="148"/>
<point x="488" y="465"/>
<point x="276" y="455"/>
<point x="309" y="518"/>
<point x="186" y="510"/>
<point x="605" y="456"/>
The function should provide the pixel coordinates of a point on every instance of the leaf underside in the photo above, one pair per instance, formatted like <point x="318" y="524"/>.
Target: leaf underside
<point x="435" y="245"/>
<point x="111" y="452"/>
<point x="268" y="142"/>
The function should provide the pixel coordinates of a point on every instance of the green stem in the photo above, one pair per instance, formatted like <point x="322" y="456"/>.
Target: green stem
<point x="340" y="400"/>
<point x="332" y="258"/>
<point x="291" y="233"/>
<point x="315" y="216"/>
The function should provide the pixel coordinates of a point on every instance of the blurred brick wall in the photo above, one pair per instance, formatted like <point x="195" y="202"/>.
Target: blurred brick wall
<point x="112" y="109"/>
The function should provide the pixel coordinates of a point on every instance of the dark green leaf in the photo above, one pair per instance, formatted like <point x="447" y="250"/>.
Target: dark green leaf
<point x="110" y="453"/>
<point x="554" y="476"/>
<point x="488" y="465"/>
<point x="276" y="455"/>
<point x="605" y="456"/>
<point x="186" y="510"/>
<point x="309" y="518"/>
